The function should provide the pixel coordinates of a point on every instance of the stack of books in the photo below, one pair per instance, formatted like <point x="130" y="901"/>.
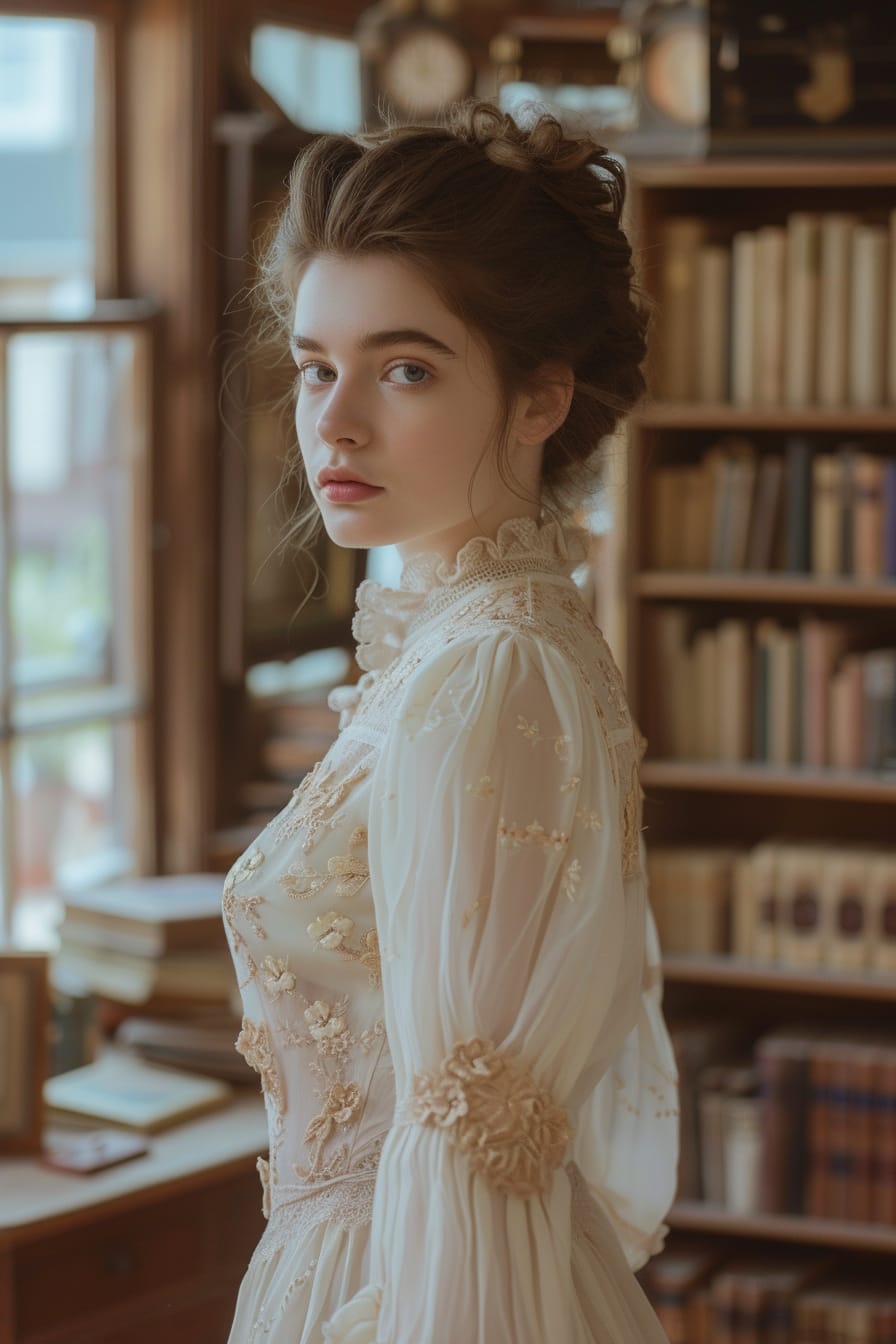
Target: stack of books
<point x="153" y="952"/>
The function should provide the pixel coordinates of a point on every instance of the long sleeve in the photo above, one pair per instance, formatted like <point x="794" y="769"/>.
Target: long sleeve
<point x="513" y="956"/>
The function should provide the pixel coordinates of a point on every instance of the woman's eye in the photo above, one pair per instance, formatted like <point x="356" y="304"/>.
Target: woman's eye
<point x="304" y="371"/>
<point x="415" y="369"/>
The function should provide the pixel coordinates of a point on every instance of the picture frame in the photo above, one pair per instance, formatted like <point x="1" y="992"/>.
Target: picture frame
<point x="24" y="1050"/>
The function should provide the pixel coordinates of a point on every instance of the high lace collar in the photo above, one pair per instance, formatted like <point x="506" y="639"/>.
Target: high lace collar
<point x="429" y="582"/>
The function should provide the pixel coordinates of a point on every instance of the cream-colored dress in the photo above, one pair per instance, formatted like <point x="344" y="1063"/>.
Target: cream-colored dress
<point x="451" y="986"/>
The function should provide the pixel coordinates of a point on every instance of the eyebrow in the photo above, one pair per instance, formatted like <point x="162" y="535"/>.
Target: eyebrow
<point x="376" y="340"/>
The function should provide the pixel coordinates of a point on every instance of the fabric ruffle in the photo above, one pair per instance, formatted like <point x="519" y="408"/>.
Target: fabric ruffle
<point x="356" y="1322"/>
<point x="382" y="615"/>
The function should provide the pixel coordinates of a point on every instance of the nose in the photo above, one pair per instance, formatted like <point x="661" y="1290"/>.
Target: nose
<point x="340" y="417"/>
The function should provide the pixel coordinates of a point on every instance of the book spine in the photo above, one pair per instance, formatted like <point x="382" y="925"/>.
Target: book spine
<point x="818" y="1142"/>
<point x="889" y="511"/>
<point x="798" y="461"/>
<point x="681" y="240"/>
<point x="801" y="307"/>
<point x="868" y="316"/>
<point x="868" y="516"/>
<point x="827" y="503"/>
<point x="834" y="308"/>
<point x="743" y="314"/>
<point x="713" y="322"/>
<point x="771" y="248"/>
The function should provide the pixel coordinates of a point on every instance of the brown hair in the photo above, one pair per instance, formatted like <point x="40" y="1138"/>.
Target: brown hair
<point x="517" y="229"/>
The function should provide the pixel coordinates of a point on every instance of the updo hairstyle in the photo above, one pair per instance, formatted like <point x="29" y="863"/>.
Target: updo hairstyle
<point x="518" y="230"/>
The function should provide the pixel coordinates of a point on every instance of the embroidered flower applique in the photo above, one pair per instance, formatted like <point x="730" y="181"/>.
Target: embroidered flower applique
<point x="513" y="836"/>
<point x="491" y="1108"/>
<point x="331" y="930"/>
<point x="254" y="1044"/>
<point x="278" y="978"/>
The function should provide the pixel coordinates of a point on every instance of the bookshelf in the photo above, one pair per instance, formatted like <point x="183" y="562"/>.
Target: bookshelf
<point x="742" y="803"/>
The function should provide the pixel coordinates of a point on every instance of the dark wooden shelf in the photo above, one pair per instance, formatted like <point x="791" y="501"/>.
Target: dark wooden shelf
<point x="693" y="1215"/>
<point x="793" y="781"/>
<point x="725" y="415"/>
<point x="701" y="585"/>
<point x="764" y="172"/>
<point x="739" y="973"/>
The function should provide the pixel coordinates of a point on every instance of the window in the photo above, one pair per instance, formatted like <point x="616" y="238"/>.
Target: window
<point x="314" y="78"/>
<point x="75" y="383"/>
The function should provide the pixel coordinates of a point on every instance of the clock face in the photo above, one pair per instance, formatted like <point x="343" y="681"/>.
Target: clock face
<point x="425" y="70"/>
<point x="675" y="73"/>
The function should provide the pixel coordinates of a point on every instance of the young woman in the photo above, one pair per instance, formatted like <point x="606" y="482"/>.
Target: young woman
<point x="448" y="965"/>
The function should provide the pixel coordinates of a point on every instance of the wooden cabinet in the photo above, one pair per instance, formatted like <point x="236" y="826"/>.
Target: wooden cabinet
<point x="159" y="1258"/>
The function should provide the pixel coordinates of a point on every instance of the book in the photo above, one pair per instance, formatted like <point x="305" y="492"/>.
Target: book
<point x="868" y="316"/>
<point x="766" y="514"/>
<point x="713" y="322"/>
<point x="803" y="930"/>
<point x="801" y="308"/>
<point x="798" y="495"/>
<point x="199" y="976"/>
<point x="743" y="318"/>
<point x="868" y="516"/>
<point x="148" y="915"/>
<point x="889" y="522"/>
<point x="770" y="254"/>
<point x="881" y="900"/>
<point x="125" y="1091"/>
<point x="834" y="308"/>
<point x="681" y="240"/>
<point x="827" y="505"/>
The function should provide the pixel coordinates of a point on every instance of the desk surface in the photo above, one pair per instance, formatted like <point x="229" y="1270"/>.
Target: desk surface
<point x="192" y="1153"/>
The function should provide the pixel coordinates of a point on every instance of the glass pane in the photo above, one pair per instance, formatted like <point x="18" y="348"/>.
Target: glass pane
<point x="315" y="79"/>
<point x="46" y="165"/>
<point x="78" y="516"/>
<point x="73" y="818"/>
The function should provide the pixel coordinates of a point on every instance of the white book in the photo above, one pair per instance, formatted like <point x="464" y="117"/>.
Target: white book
<point x="122" y="1089"/>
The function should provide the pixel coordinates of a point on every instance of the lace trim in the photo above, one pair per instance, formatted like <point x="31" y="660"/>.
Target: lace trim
<point x="383" y="615"/>
<point x="492" y="1109"/>
<point x="348" y="1203"/>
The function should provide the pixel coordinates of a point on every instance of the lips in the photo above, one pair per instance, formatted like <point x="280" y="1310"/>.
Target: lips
<point x="341" y="476"/>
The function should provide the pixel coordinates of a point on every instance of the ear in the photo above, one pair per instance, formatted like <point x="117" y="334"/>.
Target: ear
<point x="542" y="410"/>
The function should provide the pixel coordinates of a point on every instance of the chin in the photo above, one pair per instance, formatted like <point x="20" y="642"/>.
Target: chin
<point x="354" y="532"/>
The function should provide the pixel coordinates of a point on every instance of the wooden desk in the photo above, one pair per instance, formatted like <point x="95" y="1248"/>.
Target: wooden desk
<point x="150" y="1251"/>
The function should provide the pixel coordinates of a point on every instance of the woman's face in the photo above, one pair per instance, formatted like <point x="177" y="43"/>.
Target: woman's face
<point x="394" y="392"/>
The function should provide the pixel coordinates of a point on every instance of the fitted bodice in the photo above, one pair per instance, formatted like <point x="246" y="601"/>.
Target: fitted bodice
<point x="298" y="904"/>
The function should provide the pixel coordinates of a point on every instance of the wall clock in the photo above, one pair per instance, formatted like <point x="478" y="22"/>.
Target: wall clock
<point x="662" y="47"/>
<point x="414" y="60"/>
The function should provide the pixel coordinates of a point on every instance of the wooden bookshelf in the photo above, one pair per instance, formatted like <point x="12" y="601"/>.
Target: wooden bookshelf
<point x="737" y="973"/>
<point x="715" y="803"/>
<point x="835" y="1232"/>
<point x="798" y="589"/>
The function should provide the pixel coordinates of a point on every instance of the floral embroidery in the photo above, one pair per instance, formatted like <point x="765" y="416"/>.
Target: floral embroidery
<point x="358" y="837"/>
<point x="254" y="1044"/>
<point x="278" y="978"/>
<point x="491" y="1108"/>
<point x="591" y="819"/>
<point x="348" y="871"/>
<point x="330" y="1036"/>
<point x="331" y="930"/>
<point x="572" y="783"/>
<point x="528" y="730"/>
<point x="561" y="747"/>
<point x="316" y="802"/>
<point x="513" y="836"/>
<point x="231" y="902"/>
<point x="263" y="1167"/>
<point x="484" y="789"/>
<point x="572" y="876"/>
<point x="343" y="1100"/>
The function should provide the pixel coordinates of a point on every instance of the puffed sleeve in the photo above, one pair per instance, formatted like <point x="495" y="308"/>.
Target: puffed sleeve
<point x="513" y="956"/>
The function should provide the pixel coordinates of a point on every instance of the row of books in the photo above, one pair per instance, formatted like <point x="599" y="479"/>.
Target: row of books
<point x="826" y="907"/>
<point x="801" y="1121"/>
<point x="703" y="1294"/>
<point x="762" y="691"/>
<point x="797" y="314"/>
<point x="804" y="511"/>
